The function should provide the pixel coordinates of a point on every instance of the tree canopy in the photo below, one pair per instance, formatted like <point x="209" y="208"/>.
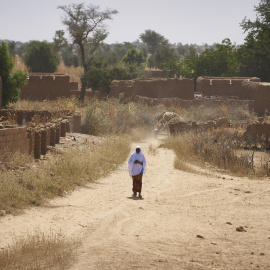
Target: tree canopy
<point x="134" y="56"/>
<point x="40" y="57"/>
<point x="11" y="82"/>
<point x="260" y="28"/>
<point x="86" y="28"/>
<point x="153" y="40"/>
<point x="59" y="40"/>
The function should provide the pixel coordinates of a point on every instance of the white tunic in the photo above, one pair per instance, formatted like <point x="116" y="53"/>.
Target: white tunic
<point x="135" y="169"/>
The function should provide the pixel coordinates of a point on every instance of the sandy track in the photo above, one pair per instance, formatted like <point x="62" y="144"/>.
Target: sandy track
<point x="162" y="230"/>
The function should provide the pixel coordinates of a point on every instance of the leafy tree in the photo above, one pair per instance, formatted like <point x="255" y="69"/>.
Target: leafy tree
<point x="134" y="56"/>
<point x="171" y="65"/>
<point x="186" y="51"/>
<point x="253" y="59"/>
<point x="81" y="22"/>
<point x="12" y="48"/>
<point x="100" y="74"/>
<point x="59" y="40"/>
<point x="11" y="82"/>
<point x="161" y="53"/>
<point x="254" y="55"/>
<point x="153" y="40"/>
<point x="114" y="53"/>
<point x="260" y="28"/>
<point x="70" y="57"/>
<point x="40" y="57"/>
<point x="220" y="62"/>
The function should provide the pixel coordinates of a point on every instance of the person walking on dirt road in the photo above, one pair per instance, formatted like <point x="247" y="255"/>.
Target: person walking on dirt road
<point x="136" y="168"/>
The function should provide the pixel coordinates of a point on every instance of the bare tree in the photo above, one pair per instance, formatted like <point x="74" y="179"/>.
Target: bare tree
<point x="87" y="30"/>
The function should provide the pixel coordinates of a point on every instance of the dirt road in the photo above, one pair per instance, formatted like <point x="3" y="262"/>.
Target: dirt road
<point x="184" y="221"/>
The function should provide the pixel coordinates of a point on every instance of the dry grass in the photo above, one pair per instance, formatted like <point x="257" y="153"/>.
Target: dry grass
<point x="181" y="165"/>
<point x="114" y="117"/>
<point x="19" y="64"/>
<point x="75" y="73"/>
<point x="100" y="117"/>
<point x="39" y="251"/>
<point x="32" y="183"/>
<point x="222" y="155"/>
<point x="59" y="104"/>
<point x="237" y="113"/>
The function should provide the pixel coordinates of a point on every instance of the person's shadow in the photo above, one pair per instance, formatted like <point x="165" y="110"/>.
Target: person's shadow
<point x="135" y="198"/>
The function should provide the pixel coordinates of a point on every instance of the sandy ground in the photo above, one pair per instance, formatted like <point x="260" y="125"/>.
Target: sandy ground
<point x="184" y="221"/>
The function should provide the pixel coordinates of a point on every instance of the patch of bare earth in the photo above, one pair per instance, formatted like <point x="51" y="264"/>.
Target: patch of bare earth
<point x="184" y="221"/>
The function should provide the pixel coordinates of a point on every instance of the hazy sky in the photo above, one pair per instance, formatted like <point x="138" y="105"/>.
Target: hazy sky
<point x="186" y="21"/>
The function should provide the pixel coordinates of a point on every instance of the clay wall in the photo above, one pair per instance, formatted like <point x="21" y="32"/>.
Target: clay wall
<point x="180" y="126"/>
<point x="73" y="86"/>
<point x="14" y="139"/>
<point x="157" y="74"/>
<point x="22" y="117"/>
<point x="35" y="141"/>
<point x="259" y="129"/>
<point x="176" y="102"/>
<point x="47" y="86"/>
<point x="154" y="88"/>
<point x="0" y="93"/>
<point x="89" y="93"/>
<point x="227" y="87"/>
<point x="262" y="99"/>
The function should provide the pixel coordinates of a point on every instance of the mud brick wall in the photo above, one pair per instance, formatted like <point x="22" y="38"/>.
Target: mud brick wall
<point x="227" y="87"/>
<point x="24" y="116"/>
<point x="180" y="126"/>
<point x="262" y="99"/>
<point x="158" y="73"/>
<point x="73" y="86"/>
<point x="176" y="102"/>
<point x="154" y="88"/>
<point x="47" y="86"/>
<point x="260" y="129"/>
<point x="77" y="123"/>
<point x="0" y="93"/>
<point x="14" y="139"/>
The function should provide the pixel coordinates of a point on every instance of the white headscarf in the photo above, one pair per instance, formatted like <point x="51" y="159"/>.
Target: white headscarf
<point x="135" y="169"/>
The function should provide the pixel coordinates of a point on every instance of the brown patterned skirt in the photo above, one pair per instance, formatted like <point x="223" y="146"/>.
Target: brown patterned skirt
<point x="137" y="183"/>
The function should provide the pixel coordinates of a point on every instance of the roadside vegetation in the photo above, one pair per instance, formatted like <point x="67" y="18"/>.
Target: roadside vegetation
<point x="223" y="151"/>
<point x="39" y="250"/>
<point x="25" y="182"/>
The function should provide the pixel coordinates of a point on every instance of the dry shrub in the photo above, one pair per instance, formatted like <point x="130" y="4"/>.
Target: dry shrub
<point x="39" y="251"/>
<point x="222" y="152"/>
<point x="61" y="173"/>
<point x="114" y="117"/>
<point x="237" y="113"/>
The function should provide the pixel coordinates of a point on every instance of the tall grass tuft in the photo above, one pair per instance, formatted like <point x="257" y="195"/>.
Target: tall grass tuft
<point x="39" y="251"/>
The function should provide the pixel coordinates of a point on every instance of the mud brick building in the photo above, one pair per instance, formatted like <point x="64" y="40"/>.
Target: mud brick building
<point x="227" y="87"/>
<point x="154" y="88"/>
<point x="48" y="86"/>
